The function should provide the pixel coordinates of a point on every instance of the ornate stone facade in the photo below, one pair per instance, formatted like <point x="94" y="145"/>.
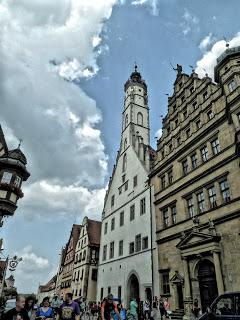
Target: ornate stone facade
<point x="196" y="179"/>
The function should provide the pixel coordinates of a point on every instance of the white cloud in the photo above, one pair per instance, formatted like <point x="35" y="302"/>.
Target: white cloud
<point x="153" y="4"/>
<point x="158" y="134"/>
<point x="206" y="41"/>
<point x="207" y="63"/>
<point x="32" y="270"/>
<point x="189" y="23"/>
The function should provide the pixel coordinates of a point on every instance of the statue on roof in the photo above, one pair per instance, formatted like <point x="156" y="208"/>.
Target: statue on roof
<point x="178" y="69"/>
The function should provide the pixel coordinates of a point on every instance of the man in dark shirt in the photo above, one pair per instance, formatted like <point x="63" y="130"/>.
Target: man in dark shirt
<point x="69" y="310"/>
<point x="109" y="308"/>
<point x="17" y="313"/>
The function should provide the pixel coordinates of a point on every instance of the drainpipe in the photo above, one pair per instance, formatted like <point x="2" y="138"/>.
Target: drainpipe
<point x="151" y="228"/>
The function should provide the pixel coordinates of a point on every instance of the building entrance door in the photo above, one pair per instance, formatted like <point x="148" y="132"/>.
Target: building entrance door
<point x="133" y="287"/>
<point x="180" y="296"/>
<point x="207" y="283"/>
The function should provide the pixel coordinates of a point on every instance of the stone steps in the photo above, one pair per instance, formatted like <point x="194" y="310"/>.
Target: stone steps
<point x="177" y="314"/>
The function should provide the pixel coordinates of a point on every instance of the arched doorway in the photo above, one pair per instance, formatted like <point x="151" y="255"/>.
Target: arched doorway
<point x="207" y="283"/>
<point x="133" y="287"/>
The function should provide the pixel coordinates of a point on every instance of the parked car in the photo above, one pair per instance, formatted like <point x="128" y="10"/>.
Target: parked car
<point x="226" y="306"/>
<point x="10" y="304"/>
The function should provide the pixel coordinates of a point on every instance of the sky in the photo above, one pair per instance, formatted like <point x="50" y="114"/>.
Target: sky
<point x="63" y="65"/>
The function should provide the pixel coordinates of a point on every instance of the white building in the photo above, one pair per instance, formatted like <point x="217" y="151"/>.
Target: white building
<point x="128" y="256"/>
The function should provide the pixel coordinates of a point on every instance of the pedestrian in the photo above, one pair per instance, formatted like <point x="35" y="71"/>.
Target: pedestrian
<point x="69" y="310"/>
<point x="167" y="308"/>
<point x="45" y="310"/>
<point x="17" y="313"/>
<point x="55" y="304"/>
<point x="161" y="308"/>
<point x="109" y="308"/>
<point x="146" y="309"/>
<point x="154" y="311"/>
<point x="29" y="307"/>
<point x="196" y="310"/>
<point x="122" y="312"/>
<point x="133" y="309"/>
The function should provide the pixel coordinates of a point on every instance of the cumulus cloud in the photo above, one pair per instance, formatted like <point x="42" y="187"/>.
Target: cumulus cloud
<point x="158" y="134"/>
<point x="153" y="4"/>
<point x="206" y="41"/>
<point x="46" y="48"/>
<point x="207" y="63"/>
<point x="32" y="270"/>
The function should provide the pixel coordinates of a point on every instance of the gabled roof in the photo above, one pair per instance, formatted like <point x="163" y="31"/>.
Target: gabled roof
<point x="196" y="238"/>
<point x="94" y="231"/>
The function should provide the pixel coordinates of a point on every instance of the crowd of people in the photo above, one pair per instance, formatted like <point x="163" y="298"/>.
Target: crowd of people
<point x="108" y="309"/>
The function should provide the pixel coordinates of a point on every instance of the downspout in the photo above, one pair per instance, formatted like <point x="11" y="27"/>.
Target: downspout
<point x="151" y="229"/>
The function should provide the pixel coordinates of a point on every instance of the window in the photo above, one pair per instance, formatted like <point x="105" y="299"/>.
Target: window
<point x="198" y="124"/>
<point x="190" y="206"/>
<point x="119" y="292"/>
<point x="224" y="186"/>
<point x="165" y="283"/>
<point x="111" y="252"/>
<point x="126" y="120"/>
<point x="112" y="201"/>
<point x="6" y="178"/>
<point x="142" y="206"/>
<point x="121" y="219"/>
<point x="120" y="190"/>
<point x="125" y="144"/>
<point x="109" y="290"/>
<point x="132" y="212"/>
<point x="210" y="114"/>
<point x="183" y="99"/>
<point x="185" y="167"/>
<point x="204" y="153"/>
<point x="225" y="308"/>
<point x="126" y="185"/>
<point x="94" y="274"/>
<point x="104" y="252"/>
<point x="140" y="119"/>
<point x="165" y="218"/>
<point x="201" y="202"/>
<point x="178" y="141"/>
<point x="170" y="147"/>
<point x="124" y="166"/>
<point x="170" y="177"/>
<point x="232" y="85"/>
<point x="138" y="242"/>
<point x="135" y="181"/>
<point x="212" y="197"/>
<point x="120" y="248"/>
<point x="145" y="243"/>
<point x="192" y="89"/>
<point x="17" y="181"/>
<point x="84" y="255"/>
<point x="113" y="224"/>
<point x="195" y="105"/>
<point x="162" y="154"/>
<point x="101" y="294"/>
<point x="174" y="214"/>
<point x="163" y="182"/>
<point x="123" y="178"/>
<point x="205" y="95"/>
<point x="185" y="114"/>
<point x="176" y="122"/>
<point x="105" y="227"/>
<point x="216" y="146"/>
<point x="194" y="161"/>
<point x="188" y="133"/>
<point x="131" y="247"/>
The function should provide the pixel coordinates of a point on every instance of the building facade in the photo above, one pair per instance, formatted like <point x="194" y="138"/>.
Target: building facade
<point x="47" y="290"/>
<point x="84" y="280"/>
<point x="126" y="252"/>
<point x="66" y="272"/>
<point x="196" y="179"/>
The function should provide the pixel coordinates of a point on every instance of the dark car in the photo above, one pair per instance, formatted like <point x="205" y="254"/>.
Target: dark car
<point x="226" y="306"/>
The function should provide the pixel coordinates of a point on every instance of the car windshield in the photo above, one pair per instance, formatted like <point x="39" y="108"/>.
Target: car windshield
<point x="10" y="304"/>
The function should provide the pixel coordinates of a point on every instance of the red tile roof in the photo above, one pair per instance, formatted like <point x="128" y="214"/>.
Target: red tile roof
<point x="94" y="231"/>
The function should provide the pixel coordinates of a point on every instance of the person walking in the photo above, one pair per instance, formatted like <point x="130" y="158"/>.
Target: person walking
<point x="45" y="310"/>
<point x="17" y="313"/>
<point x="30" y="307"/>
<point x="196" y="310"/>
<point x="56" y="303"/>
<point x="167" y="308"/>
<point x="133" y="309"/>
<point x="108" y="308"/>
<point x="69" y="310"/>
<point x="154" y="312"/>
<point x="161" y="308"/>
<point x="146" y="309"/>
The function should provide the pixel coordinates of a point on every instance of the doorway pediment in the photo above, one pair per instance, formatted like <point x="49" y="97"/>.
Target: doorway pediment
<point x="196" y="238"/>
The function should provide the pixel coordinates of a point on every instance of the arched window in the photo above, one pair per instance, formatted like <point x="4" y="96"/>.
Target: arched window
<point x="126" y="120"/>
<point x="125" y="144"/>
<point x="84" y="255"/>
<point x="124" y="166"/>
<point x="76" y="259"/>
<point x="140" y="118"/>
<point x="80" y="257"/>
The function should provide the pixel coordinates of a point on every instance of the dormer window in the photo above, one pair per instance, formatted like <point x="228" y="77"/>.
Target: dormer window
<point x="183" y="99"/>
<point x="17" y="181"/>
<point x="210" y="114"/>
<point x="205" y="95"/>
<point x="232" y="85"/>
<point x="195" y="105"/>
<point x="6" y="178"/>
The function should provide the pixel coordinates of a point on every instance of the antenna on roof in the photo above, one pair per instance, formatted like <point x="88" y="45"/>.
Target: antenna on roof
<point x="227" y="43"/>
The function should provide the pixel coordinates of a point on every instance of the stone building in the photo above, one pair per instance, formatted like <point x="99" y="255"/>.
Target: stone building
<point x="84" y="280"/>
<point x="66" y="270"/>
<point x="127" y="251"/>
<point x="47" y="290"/>
<point x="196" y="178"/>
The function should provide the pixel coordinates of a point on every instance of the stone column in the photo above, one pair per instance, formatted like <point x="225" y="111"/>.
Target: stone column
<point x="187" y="290"/>
<point x="218" y="272"/>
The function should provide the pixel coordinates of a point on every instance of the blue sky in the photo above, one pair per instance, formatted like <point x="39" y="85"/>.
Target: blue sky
<point x="71" y="132"/>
